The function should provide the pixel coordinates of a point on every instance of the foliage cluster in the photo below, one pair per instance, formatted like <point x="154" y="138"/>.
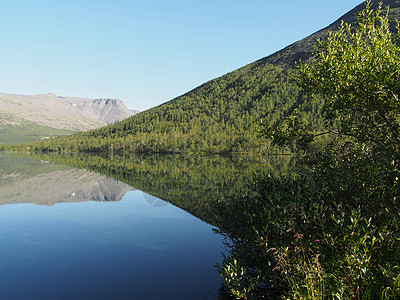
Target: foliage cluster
<point x="333" y="233"/>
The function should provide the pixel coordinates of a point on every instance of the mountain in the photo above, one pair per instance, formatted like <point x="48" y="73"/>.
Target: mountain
<point x="223" y="115"/>
<point x="106" y="110"/>
<point x="35" y="117"/>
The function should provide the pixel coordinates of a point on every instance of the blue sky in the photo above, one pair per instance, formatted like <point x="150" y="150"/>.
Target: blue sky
<point x="145" y="52"/>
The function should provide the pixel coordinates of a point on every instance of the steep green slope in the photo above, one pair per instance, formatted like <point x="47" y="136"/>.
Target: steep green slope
<point x="222" y="115"/>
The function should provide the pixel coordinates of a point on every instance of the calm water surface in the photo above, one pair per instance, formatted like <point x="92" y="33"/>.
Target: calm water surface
<point x="134" y="247"/>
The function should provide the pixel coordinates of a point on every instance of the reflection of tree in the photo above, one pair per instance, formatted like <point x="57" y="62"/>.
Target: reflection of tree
<point x="193" y="183"/>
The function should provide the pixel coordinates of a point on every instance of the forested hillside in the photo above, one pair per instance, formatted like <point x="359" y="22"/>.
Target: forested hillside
<point x="223" y="115"/>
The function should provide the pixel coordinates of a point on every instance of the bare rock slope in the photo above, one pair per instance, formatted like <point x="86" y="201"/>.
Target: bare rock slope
<point x="106" y="110"/>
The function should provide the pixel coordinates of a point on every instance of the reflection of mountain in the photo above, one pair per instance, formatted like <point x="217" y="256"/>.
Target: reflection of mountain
<point x="42" y="183"/>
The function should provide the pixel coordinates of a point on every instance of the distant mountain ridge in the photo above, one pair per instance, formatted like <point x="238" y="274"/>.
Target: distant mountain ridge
<point x="30" y="117"/>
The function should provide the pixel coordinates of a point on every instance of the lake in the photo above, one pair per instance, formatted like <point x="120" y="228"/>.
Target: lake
<point x="89" y="227"/>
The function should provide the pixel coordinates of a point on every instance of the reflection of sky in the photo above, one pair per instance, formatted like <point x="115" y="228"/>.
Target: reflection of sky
<point x="106" y="250"/>
<point x="154" y="201"/>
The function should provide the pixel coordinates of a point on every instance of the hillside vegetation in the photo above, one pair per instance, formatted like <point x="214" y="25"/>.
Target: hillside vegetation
<point x="223" y="115"/>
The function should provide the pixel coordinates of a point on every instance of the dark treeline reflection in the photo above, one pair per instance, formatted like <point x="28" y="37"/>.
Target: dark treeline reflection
<point x="196" y="184"/>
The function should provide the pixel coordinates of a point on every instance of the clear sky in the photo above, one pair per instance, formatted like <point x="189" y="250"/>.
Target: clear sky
<point x="145" y="52"/>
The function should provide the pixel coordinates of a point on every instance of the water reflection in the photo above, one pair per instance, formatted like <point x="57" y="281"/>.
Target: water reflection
<point x="154" y="243"/>
<point x="154" y="201"/>
<point x="115" y="250"/>
<point x="136" y="248"/>
<point x="193" y="183"/>
<point x="24" y="180"/>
